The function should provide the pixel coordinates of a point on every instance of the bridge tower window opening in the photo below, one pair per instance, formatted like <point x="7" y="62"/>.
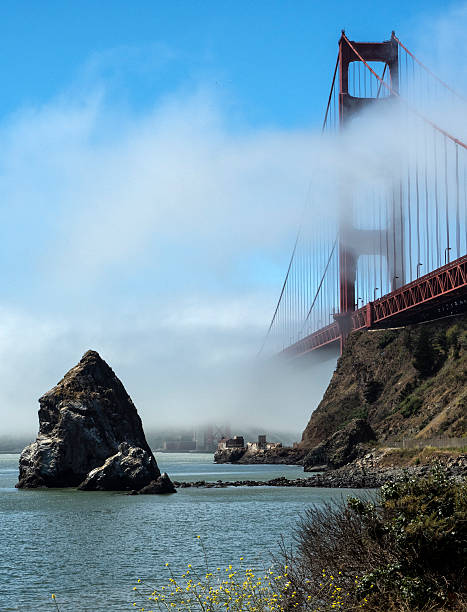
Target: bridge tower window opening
<point x="363" y="84"/>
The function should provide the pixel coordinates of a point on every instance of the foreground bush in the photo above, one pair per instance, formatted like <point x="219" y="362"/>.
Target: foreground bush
<point x="404" y="550"/>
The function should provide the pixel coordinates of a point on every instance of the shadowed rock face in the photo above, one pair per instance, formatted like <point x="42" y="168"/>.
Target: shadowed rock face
<point x="162" y="485"/>
<point x="87" y="418"/>
<point x="342" y="447"/>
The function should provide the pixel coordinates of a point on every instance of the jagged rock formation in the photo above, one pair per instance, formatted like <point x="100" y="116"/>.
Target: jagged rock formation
<point x="342" y="447"/>
<point x="90" y="435"/>
<point x="406" y="383"/>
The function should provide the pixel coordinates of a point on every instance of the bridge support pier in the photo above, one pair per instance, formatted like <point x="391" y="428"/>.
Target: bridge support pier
<point x="344" y="322"/>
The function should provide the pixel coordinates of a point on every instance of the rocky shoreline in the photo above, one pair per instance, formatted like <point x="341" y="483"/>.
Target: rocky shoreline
<point x="347" y="477"/>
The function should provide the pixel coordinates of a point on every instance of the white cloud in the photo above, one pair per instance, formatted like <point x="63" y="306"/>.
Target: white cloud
<point x="171" y="183"/>
<point x="131" y="237"/>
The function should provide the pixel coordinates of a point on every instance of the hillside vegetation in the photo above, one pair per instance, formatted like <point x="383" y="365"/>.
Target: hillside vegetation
<point x="407" y="383"/>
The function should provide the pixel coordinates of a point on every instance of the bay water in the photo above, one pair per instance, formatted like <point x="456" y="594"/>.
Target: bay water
<point x="90" y="548"/>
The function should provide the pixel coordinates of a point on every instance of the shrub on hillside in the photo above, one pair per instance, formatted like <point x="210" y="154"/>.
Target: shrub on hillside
<point x="406" y="549"/>
<point x="456" y="339"/>
<point x="429" y="353"/>
<point x="411" y="405"/>
<point x="387" y="337"/>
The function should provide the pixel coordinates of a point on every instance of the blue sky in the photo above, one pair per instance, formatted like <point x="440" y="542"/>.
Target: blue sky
<point x="155" y="160"/>
<point x="272" y="59"/>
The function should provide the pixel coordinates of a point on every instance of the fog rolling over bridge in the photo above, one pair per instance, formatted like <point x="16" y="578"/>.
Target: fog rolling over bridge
<point x="393" y="248"/>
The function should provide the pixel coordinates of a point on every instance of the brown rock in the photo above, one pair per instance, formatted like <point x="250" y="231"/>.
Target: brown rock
<point x="83" y="422"/>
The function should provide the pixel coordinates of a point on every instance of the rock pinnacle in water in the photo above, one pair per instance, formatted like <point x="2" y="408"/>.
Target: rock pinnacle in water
<point x="90" y="435"/>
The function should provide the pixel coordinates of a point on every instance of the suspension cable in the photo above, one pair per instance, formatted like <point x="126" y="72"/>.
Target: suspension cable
<point x="443" y="83"/>
<point x="299" y="232"/>
<point x="382" y="78"/>
<point x="320" y="283"/>
<point x="282" y="292"/>
<point x="330" y="94"/>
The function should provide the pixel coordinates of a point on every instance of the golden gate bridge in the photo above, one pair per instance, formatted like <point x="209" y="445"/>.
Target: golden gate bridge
<point x="393" y="249"/>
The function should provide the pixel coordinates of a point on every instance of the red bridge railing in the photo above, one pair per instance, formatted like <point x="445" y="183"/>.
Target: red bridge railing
<point x="443" y="284"/>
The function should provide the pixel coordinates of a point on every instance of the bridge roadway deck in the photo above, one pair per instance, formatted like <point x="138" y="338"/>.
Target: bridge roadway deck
<point x="436" y="294"/>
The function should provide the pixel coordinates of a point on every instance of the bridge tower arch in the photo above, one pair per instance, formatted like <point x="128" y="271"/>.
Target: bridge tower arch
<point x="355" y="242"/>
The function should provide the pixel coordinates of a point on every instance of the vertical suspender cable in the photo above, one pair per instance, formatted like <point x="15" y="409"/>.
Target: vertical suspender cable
<point x="447" y="195"/>
<point x="458" y="223"/>
<point x="380" y="236"/>
<point x="330" y="95"/>
<point x="318" y="290"/>
<point x="465" y="204"/>
<point x="409" y="213"/>
<point x="438" y="251"/>
<point x="374" y="228"/>
<point x="418" y="204"/>
<point x="427" y="228"/>
<point x="284" y="285"/>
<point x="401" y="218"/>
<point x="390" y="287"/>
<point x="394" y="250"/>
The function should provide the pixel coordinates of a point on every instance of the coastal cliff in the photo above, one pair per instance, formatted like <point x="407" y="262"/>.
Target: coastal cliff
<point x="405" y="383"/>
<point x="389" y="385"/>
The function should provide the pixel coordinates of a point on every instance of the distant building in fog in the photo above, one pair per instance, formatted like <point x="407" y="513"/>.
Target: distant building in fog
<point x="227" y="443"/>
<point x="182" y="443"/>
<point x="238" y="442"/>
<point x="262" y="444"/>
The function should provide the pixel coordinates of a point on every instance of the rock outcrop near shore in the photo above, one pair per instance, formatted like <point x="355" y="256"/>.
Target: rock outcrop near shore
<point x="130" y="468"/>
<point x="283" y="455"/>
<point x="229" y="455"/>
<point x="90" y="435"/>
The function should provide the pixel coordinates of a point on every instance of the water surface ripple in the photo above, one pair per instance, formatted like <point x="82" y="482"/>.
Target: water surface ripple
<point x="90" y="547"/>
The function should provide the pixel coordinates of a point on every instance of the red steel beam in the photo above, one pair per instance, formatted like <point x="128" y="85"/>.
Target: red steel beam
<point x="446" y="281"/>
<point x="322" y="337"/>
